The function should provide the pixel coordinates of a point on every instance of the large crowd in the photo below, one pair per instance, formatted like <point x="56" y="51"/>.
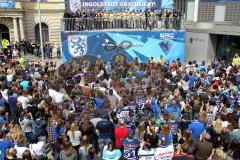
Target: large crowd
<point x="124" y="19"/>
<point x="120" y="110"/>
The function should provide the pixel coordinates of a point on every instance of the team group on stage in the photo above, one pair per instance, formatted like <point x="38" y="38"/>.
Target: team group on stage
<point x="124" y="19"/>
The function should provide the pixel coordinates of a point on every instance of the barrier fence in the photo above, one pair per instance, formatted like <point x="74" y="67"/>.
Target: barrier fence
<point x="87" y="24"/>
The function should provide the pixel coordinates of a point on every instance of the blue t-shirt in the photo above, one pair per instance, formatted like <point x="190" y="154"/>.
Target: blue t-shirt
<point x="165" y="140"/>
<point x="197" y="129"/>
<point x="56" y="134"/>
<point x="200" y="68"/>
<point x="12" y="103"/>
<point x="191" y="82"/>
<point x="1" y="102"/>
<point x="98" y="102"/>
<point x="24" y="85"/>
<point x="173" y="126"/>
<point x="4" y="145"/>
<point x="2" y="118"/>
<point x="175" y="111"/>
<point x="155" y="108"/>
<point x="141" y="73"/>
<point x="114" y="156"/>
<point x="130" y="147"/>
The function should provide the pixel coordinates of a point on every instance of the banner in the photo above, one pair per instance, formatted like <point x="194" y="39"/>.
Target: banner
<point x="7" y="4"/>
<point x="220" y="1"/>
<point x="75" y="5"/>
<point x="128" y="44"/>
<point x="164" y="153"/>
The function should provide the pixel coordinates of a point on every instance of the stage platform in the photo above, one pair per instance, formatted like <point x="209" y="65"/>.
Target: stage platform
<point x="128" y="44"/>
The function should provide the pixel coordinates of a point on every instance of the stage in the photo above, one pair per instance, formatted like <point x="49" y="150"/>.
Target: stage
<point x="108" y="44"/>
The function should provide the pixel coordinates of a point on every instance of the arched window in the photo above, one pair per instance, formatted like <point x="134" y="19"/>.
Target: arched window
<point x="4" y="32"/>
<point x="45" y="33"/>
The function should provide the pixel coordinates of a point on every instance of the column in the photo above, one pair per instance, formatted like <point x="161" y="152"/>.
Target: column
<point x="196" y="5"/>
<point x="21" y="28"/>
<point x="15" y="27"/>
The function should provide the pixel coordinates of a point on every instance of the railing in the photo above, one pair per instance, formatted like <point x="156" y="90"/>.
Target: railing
<point x="83" y="24"/>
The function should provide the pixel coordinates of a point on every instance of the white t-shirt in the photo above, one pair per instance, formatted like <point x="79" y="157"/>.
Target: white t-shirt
<point x="24" y="101"/>
<point x="37" y="149"/>
<point x="146" y="154"/>
<point x="107" y="82"/>
<point x="164" y="153"/>
<point x="56" y="96"/>
<point x="10" y="77"/>
<point x="20" y="151"/>
<point x="76" y="139"/>
<point x="102" y="89"/>
<point x="113" y="100"/>
<point x="5" y="94"/>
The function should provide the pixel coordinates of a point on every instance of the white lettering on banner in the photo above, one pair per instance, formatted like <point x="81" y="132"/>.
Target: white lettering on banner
<point x="116" y="4"/>
<point x="164" y="153"/>
<point x="166" y="35"/>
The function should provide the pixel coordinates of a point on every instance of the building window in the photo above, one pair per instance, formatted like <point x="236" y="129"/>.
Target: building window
<point x="4" y="32"/>
<point x="45" y="33"/>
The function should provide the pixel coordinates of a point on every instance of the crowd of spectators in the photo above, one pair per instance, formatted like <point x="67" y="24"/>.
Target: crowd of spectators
<point x="120" y="110"/>
<point x="17" y="49"/>
<point x="124" y="19"/>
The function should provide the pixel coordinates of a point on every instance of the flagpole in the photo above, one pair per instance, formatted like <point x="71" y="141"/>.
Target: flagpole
<point x="40" y="31"/>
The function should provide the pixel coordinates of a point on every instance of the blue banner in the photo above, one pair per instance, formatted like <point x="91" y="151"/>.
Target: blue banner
<point x="7" y="4"/>
<point x="119" y="4"/>
<point x="220" y="1"/>
<point x="129" y="44"/>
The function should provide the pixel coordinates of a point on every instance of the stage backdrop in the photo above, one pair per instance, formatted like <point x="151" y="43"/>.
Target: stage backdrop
<point x="130" y="44"/>
<point x="119" y="4"/>
<point x="7" y="4"/>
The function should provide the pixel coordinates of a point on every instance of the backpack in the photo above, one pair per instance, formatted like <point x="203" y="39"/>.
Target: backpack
<point x="203" y="82"/>
<point x="197" y="82"/>
<point x="148" y="104"/>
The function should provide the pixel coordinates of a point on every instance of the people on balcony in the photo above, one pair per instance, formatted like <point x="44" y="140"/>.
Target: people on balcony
<point x="122" y="19"/>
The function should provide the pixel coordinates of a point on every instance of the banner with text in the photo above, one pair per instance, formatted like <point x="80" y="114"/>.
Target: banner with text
<point x="221" y="1"/>
<point x="119" y="4"/>
<point x="7" y="4"/>
<point x="128" y="44"/>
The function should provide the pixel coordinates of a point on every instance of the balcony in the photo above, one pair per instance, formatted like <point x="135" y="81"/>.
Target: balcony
<point x="89" y="24"/>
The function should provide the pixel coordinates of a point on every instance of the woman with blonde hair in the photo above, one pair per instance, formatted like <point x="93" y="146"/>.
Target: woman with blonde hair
<point x="140" y="131"/>
<point x="203" y="117"/>
<point x="16" y="131"/>
<point x="20" y="145"/>
<point x="215" y="132"/>
<point x="74" y="136"/>
<point x="218" y="154"/>
<point x="11" y="154"/>
<point x="85" y="145"/>
<point x="68" y="152"/>
<point x="42" y="105"/>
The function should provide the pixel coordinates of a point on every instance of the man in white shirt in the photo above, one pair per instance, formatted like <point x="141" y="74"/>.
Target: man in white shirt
<point x="23" y="99"/>
<point x="113" y="99"/>
<point x="107" y="82"/>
